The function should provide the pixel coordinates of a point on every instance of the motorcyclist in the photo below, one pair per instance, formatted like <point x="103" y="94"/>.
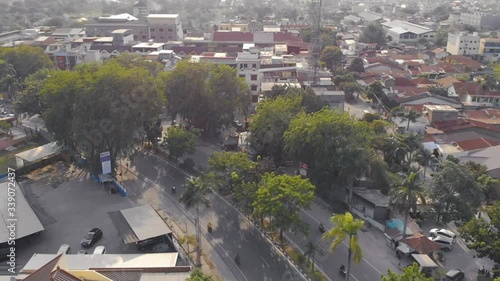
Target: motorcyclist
<point x="321" y="227"/>
<point x="209" y="227"/>
<point x="173" y="189"/>
<point x="342" y="269"/>
<point x="237" y="259"/>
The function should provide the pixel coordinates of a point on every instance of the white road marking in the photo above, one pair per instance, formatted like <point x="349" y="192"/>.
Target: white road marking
<point x="343" y="242"/>
<point x="264" y="261"/>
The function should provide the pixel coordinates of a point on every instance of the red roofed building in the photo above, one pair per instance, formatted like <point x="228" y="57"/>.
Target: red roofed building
<point x="468" y="63"/>
<point x="477" y="143"/>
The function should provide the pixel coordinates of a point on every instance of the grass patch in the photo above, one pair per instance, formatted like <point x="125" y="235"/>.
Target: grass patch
<point x="8" y="158"/>
<point x="301" y="260"/>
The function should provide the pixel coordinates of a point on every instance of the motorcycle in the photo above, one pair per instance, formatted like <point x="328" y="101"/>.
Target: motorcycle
<point x="173" y="189"/>
<point x="343" y="270"/>
<point x="322" y="228"/>
<point x="209" y="228"/>
<point x="237" y="259"/>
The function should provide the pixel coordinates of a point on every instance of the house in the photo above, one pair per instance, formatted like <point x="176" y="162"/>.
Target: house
<point x="447" y="82"/>
<point x="367" y="17"/>
<point x="403" y="32"/>
<point x="486" y="115"/>
<point x="467" y="63"/>
<point x="440" y="53"/>
<point x="371" y="203"/>
<point x="490" y="157"/>
<point x="335" y="99"/>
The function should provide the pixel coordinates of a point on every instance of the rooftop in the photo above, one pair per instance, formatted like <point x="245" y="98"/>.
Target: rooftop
<point x="441" y="108"/>
<point x="374" y="196"/>
<point x="163" y="16"/>
<point x="148" y="45"/>
<point x="411" y="27"/>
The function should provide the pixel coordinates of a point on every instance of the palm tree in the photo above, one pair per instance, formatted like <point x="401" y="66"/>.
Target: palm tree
<point x="194" y="195"/>
<point x="311" y="249"/>
<point x="410" y="115"/>
<point x="346" y="226"/>
<point x="407" y="194"/>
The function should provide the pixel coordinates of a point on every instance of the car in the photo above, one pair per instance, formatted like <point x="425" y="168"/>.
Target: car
<point x="442" y="232"/>
<point x="454" y="274"/>
<point x="64" y="249"/>
<point x="91" y="237"/>
<point x="99" y="250"/>
<point x="444" y="242"/>
<point x="148" y="243"/>
<point x="82" y="252"/>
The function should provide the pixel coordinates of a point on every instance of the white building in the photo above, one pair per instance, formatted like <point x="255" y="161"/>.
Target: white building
<point x="248" y="65"/>
<point x="403" y="32"/>
<point x="481" y="20"/>
<point x="463" y="43"/>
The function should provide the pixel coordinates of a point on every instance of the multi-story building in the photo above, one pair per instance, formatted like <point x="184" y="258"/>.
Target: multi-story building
<point x="158" y="27"/>
<point x="248" y="65"/>
<point x="165" y="27"/>
<point x="140" y="9"/>
<point x="463" y="43"/>
<point x="489" y="48"/>
<point x="481" y="20"/>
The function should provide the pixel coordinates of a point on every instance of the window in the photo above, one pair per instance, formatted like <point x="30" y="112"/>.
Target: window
<point x="143" y="36"/>
<point x="170" y="30"/>
<point x="253" y="87"/>
<point x="161" y="29"/>
<point x="255" y="98"/>
<point x="254" y="65"/>
<point x="162" y="37"/>
<point x="153" y="37"/>
<point x="253" y="77"/>
<point x="242" y="75"/>
<point x="152" y="29"/>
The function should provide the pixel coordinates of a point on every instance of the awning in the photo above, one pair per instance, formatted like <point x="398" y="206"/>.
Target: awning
<point x="122" y="227"/>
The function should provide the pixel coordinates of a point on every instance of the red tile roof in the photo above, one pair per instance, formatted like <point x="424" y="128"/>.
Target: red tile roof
<point x="401" y="81"/>
<point x="447" y="81"/>
<point x="476" y="143"/>
<point x="462" y="123"/>
<point x="285" y="37"/>
<point x="470" y="88"/>
<point x="489" y="116"/>
<point x="409" y="90"/>
<point x="44" y="272"/>
<point x="450" y="68"/>
<point x="466" y="61"/>
<point x="63" y="275"/>
<point x="431" y="68"/>
<point x="232" y="36"/>
<point x="418" y="107"/>
<point x="423" y="81"/>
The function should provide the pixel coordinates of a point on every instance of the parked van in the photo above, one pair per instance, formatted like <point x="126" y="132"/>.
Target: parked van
<point x="444" y="242"/>
<point x="64" y="249"/>
<point x="99" y="250"/>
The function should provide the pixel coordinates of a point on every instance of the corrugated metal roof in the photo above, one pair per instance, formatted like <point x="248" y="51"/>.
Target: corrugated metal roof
<point x="122" y="227"/>
<point x="145" y="222"/>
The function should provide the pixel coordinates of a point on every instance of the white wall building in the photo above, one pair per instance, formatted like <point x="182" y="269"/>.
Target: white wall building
<point x="403" y="32"/>
<point x="463" y="43"/>
<point x="248" y="65"/>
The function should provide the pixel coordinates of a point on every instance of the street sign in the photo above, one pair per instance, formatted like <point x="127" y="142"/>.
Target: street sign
<point x="303" y="169"/>
<point x="106" y="162"/>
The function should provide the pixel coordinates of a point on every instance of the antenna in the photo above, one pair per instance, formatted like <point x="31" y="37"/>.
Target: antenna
<point x="316" y="40"/>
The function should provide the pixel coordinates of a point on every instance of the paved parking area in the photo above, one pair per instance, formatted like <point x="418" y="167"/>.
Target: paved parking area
<point x="67" y="212"/>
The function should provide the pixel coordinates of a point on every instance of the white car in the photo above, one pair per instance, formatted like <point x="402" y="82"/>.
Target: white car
<point x="444" y="242"/>
<point x="99" y="250"/>
<point x="443" y="232"/>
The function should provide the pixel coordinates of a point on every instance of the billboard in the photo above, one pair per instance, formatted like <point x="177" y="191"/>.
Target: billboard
<point x="106" y="162"/>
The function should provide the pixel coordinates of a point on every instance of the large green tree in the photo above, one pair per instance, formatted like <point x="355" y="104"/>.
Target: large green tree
<point x="332" y="144"/>
<point x="197" y="275"/>
<point x="205" y="94"/>
<point x="9" y="81"/>
<point x="180" y="141"/>
<point x="99" y="108"/>
<point x="373" y="33"/>
<point x="455" y="193"/>
<point x="410" y="273"/>
<point x="29" y="100"/>
<point x="484" y="237"/>
<point x="26" y="59"/>
<point x="270" y="123"/>
<point x="357" y="65"/>
<point x="346" y="226"/>
<point x="281" y="197"/>
<point x="331" y="56"/>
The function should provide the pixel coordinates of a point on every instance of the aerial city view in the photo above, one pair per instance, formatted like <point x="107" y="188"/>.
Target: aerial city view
<point x="250" y="140"/>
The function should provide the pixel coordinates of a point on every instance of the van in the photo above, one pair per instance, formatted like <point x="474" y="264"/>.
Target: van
<point x="99" y="250"/>
<point x="444" y="242"/>
<point x="64" y="249"/>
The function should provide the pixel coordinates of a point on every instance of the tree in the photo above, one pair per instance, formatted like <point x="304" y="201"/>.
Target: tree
<point x="441" y="37"/>
<point x="270" y="123"/>
<point x="331" y="56"/>
<point x="484" y="238"/>
<point x="26" y="59"/>
<point x="455" y="193"/>
<point x="346" y="227"/>
<point x="349" y="89"/>
<point x="437" y="90"/>
<point x="9" y="81"/>
<point x="489" y="83"/>
<point x="357" y="65"/>
<point x="233" y="172"/>
<point x="409" y="115"/>
<point x="30" y="100"/>
<point x="332" y="144"/>
<point x="205" y="94"/>
<point x="469" y="28"/>
<point x="375" y="91"/>
<point x="407" y="195"/>
<point x="309" y="100"/>
<point x="197" y="275"/>
<point x="100" y="108"/>
<point x="194" y="195"/>
<point x="373" y="33"/>
<point x="490" y="187"/>
<point x="281" y="197"/>
<point x="5" y="127"/>
<point x="310" y="253"/>
<point x="179" y="141"/>
<point x="410" y="273"/>
<point x="153" y="130"/>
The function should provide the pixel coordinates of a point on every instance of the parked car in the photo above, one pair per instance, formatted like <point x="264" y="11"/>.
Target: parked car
<point x="94" y="235"/>
<point x="99" y="250"/>
<point x="454" y="274"/>
<point x="64" y="249"/>
<point x="443" y="232"/>
<point x="82" y="252"/>
<point x="148" y="243"/>
<point x="444" y="242"/>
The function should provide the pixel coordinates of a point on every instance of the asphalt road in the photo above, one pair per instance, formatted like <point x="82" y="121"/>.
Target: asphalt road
<point x="232" y="232"/>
